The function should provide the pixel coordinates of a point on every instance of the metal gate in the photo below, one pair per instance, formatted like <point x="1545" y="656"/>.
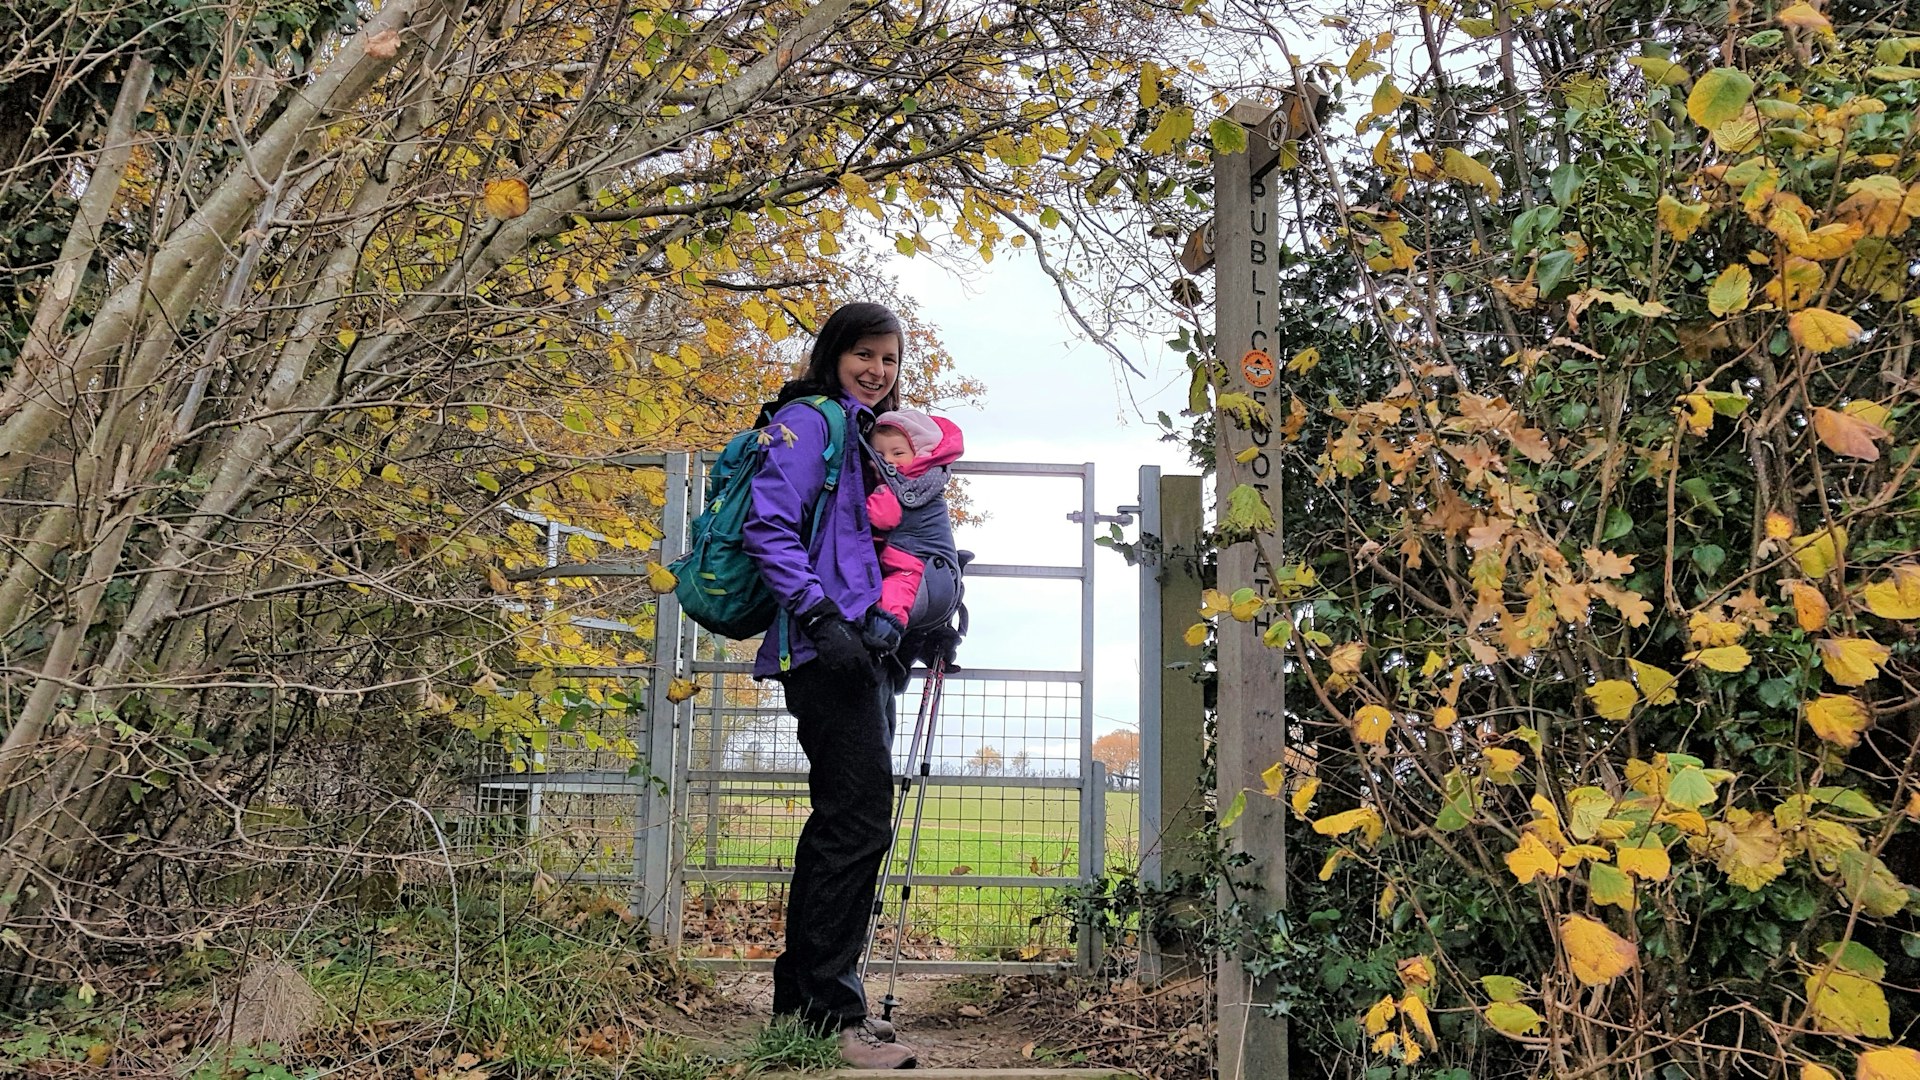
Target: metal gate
<point x="1015" y="802"/>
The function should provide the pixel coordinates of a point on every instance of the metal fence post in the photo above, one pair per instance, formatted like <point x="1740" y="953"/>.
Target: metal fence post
<point x="653" y="823"/>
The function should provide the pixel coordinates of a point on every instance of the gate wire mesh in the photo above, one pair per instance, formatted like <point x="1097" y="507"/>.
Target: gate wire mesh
<point x="696" y="816"/>
<point x="1000" y="833"/>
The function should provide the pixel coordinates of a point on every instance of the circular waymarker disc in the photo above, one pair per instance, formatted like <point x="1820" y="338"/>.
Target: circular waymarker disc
<point x="1257" y="367"/>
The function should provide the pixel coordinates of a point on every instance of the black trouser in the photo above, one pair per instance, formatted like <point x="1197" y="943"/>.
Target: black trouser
<point x="846" y="729"/>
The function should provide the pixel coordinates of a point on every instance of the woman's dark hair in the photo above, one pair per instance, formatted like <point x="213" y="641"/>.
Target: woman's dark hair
<point x="844" y="329"/>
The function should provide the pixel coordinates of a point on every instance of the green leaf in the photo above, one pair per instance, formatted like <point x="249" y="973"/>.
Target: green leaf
<point x="1619" y="524"/>
<point x="1554" y="268"/>
<point x="1719" y="96"/>
<point x="1247" y="513"/>
<point x="1503" y="988"/>
<point x="1227" y="136"/>
<point x="1513" y="1018"/>
<point x="1172" y="130"/>
<point x="1690" y="788"/>
<point x="1855" y="957"/>
<point x="1564" y="183"/>
<point x="1661" y="71"/>
<point x="1731" y="290"/>
<point x="1702" y="496"/>
<point x="1457" y="812"/>
<point x="1893" y="73"/>
<point x="1234" y="810"/>
<point x="1607" y="885"/>
<point x="1708" y="557"/>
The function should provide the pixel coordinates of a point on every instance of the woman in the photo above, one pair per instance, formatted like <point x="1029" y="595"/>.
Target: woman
<point x="818" y="559"/>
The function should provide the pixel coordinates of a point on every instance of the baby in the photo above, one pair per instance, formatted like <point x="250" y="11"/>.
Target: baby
<point x="919" y="567"/>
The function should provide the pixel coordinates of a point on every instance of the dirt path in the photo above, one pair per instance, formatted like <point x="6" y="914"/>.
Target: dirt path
<point x="947" y="1019"/>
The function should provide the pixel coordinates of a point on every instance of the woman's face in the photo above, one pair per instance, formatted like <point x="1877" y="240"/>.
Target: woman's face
<point x="869" y="369"/>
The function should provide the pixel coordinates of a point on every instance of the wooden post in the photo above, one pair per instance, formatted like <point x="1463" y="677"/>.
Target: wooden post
<point x="1172" y="705"/>
<point x="1251" y="722"/>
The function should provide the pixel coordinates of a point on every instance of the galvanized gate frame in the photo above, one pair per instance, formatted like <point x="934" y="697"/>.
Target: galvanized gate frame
<point x="662" y="868"/>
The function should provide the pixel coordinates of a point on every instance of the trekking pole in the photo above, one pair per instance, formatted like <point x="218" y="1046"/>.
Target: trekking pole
<point x="899" y="812"/>
<point x="936" y="682"/>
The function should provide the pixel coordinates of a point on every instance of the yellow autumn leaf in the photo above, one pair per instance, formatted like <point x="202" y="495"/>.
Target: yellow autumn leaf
<point x="1648" y="861"/>
<point x="1819" y="552"/>
<point x="1852" y="661"/>
<point x="1338" y="856"/>
<point x="660" y="579"/>
<point x="1365" y="819"/>
<point x="1748" y="848"/>
<point x="1778" y="525"/>
<point x="1810" y="609"/>
<point x="1811" y="1071"/>
<point x="1848" y="435"/>
<point x="1818" y="330"/>
<point x="1613" y="699"/>
<point x="1274" y="777"/>
<point x="505" y="198"/>
<point x="1889" y="1063"/>
<point x="1656" y="684"/>
<point x="1458" y="166"/>
<point x="1304" y="361"/>
<point x="1533" y="859"/>
<point x="1680" y="219"/>
<point x="1380" y="1015"/>
<point x="680" y="690"/>
<point x="1838" y="718"/>
<point x="1847" y="1004"/>
<point x="1445" y="717"/>
<point x="1728" y="658"/>
<point x="1302" y="798"/>
<point x="1802" y="16"/>
<point x="1595" y="954"/>
<point x="1345" y="658"/>
<point x="1415" y="1011"/>
<point x="1826" y="243"/>
<point x="1501" y="763"/>
<point x="1898" y="598"/>
<point x="1415" y="971"/>
<point x="1371" y="724"/>
<point x="1606" y="564"/>
<point x="1513" y="1019"/>
<point x="1196" y="635"/>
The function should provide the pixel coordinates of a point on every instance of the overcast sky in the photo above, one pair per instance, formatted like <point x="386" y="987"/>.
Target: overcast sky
<point x="1050" y="397"/>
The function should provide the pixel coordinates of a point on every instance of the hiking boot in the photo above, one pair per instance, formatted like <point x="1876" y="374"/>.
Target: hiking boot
<point x="862" y="1048"/>
<point x="882" y="1029"/>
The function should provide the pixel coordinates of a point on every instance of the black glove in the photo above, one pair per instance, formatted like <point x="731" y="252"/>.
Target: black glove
<point x="881" y="632"/>
<point x="940" y="645"/>
<point x="837" y="640"/>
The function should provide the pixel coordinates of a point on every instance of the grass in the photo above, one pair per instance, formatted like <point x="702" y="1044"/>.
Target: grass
<point x="552" y="987"/>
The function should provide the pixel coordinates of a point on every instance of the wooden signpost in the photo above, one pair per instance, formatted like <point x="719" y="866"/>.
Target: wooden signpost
<point x="1242" y="245"/>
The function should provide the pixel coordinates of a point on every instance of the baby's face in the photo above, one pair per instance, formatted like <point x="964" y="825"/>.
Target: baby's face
<point x="892" y="446"/>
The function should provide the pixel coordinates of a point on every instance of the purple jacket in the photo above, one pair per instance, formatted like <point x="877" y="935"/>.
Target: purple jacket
<point x="839" y="562"/>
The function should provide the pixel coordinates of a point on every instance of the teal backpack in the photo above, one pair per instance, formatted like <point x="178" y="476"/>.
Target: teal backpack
<point x="719" y="584"/>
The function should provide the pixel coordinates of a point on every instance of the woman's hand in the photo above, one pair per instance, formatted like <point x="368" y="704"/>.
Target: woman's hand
<point x="837" y="640"/>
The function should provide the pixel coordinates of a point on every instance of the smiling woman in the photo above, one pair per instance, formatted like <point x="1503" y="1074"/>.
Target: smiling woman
<point x="814" y="545"/>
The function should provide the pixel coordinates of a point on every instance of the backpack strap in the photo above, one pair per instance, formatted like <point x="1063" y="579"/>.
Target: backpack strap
<point x="834" y="455"/>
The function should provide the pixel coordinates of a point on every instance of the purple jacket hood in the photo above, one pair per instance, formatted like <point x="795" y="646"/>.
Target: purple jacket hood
<point x="838" y="562"/>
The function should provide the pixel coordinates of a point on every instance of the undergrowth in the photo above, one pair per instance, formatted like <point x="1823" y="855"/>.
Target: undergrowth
<point x="559" y="985"/>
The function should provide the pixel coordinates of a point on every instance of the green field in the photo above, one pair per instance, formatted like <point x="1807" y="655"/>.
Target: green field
<point x="970" y="830"/>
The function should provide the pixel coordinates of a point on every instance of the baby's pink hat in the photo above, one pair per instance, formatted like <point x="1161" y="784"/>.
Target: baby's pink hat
<point x="922" y="433"/>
